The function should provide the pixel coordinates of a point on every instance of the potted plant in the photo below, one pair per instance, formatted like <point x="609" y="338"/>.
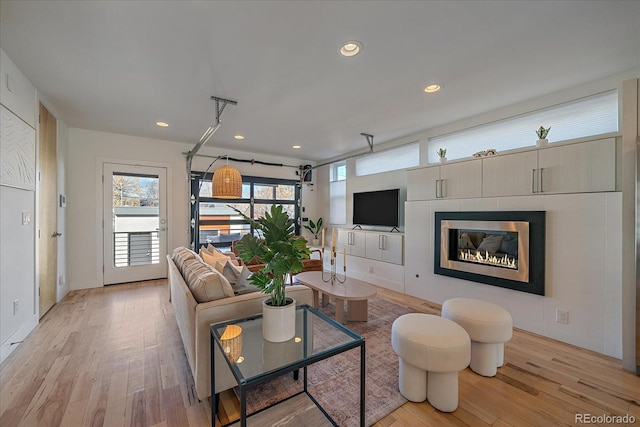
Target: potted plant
<point x="281" y="252"/>
<point x="542" y="135"/>
<point x="442" y="153"/>
<point x="315" y="228"/>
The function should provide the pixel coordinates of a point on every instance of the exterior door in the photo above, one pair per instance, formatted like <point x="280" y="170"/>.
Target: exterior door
<point x="47" y="211"/>
<point x="134" y="223"/>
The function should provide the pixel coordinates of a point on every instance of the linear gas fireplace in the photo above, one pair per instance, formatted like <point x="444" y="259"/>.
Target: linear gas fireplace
<point x="501" y="248"/>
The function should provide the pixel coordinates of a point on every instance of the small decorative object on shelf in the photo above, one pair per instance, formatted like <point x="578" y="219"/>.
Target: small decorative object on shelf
<point x="542" y="136"/>
<point x="442" y="153"/>
<point x="485" y="153"/>
<point x="333" y="275"/>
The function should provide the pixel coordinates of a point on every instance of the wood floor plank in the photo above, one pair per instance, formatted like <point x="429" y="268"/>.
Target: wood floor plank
<point x="113" y="356"/>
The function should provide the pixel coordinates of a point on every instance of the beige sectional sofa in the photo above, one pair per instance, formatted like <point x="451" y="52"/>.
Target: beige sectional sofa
<point x="195" y="318"/>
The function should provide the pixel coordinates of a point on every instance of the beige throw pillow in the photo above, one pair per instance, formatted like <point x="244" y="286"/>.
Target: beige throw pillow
<point x="213" y="258"/>
<point x="205" y="283"/>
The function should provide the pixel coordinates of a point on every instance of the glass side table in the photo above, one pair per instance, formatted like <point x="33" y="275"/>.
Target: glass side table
<point x="254" y="361"/>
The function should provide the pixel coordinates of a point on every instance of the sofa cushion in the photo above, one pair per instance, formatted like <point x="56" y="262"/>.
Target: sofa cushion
<point x="180" y="256"/>
<point x="205" y="283"/>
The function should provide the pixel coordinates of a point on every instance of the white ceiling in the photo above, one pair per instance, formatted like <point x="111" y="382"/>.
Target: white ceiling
<point x="121" y="66"/>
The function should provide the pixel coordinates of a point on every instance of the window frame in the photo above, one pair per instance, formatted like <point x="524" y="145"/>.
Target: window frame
<point x="252" y="181"/>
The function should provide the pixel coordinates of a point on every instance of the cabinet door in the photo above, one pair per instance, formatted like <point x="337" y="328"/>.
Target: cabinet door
<point x="576" y="168"/>
<point x="421" y="183"/>
<point x="461" y="180"/>
<point x="510" y="174"/>
<point x="353" y="241"/>
<point x="373" y="242"/>
<point x="392" y="248"/>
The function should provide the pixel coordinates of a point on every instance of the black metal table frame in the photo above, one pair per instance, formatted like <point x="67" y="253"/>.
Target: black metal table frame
<point x="303" y="363"/>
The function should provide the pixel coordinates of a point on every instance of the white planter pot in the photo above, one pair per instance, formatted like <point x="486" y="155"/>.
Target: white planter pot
<point x="443" y="159"/>
<point x="315" y="242"/>
<point x="542" y="142"/>
<point x="278" y="323"/>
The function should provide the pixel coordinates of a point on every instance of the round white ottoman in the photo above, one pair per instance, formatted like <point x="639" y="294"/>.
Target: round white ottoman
<point x="489" y="327"/>
<point x="432" y="350"/>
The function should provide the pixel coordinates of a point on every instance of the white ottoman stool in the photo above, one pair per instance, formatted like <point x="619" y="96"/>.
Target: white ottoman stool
<point x="432" y="350"/>
<point x="489" y="327"/>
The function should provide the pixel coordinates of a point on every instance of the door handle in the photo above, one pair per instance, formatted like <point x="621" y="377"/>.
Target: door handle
<point x="541" y="189"/>
<point x="533" y="181"/>
<point x="56" y="234"/>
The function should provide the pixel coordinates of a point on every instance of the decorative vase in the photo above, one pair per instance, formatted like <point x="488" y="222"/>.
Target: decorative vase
<point x="542" y="142"/>
<point x="443" y="159"/>
<point x="278" y="323"/>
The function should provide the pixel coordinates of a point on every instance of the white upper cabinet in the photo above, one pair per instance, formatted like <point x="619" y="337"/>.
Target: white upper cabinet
<point x="510" y="174"/>
<point x="578" y="168"/>
<point x="457" y="180"/>
<point x="422" y="183"/>
<point x="461" y="180"/>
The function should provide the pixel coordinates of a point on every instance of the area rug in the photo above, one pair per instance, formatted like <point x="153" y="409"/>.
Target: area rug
<point x="335" y="382"/>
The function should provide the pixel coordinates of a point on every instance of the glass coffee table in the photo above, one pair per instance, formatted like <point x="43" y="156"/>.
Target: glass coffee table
<point x="254" y="361"/>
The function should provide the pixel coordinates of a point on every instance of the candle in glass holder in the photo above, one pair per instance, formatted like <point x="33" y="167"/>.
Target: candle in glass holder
<point x="344" y="258"/>
<point x="323" y="240"/>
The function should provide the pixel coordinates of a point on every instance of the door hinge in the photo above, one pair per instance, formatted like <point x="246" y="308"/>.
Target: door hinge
<point x="38" y="290"/>
<point x="103" y="268"/>
<point x="38" y="233"/>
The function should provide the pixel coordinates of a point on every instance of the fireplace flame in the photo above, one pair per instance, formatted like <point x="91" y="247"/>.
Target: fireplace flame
<point x="479" y="258"/>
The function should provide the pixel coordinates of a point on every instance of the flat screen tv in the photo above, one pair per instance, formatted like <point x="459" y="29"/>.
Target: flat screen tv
<point x="376" y="208"/>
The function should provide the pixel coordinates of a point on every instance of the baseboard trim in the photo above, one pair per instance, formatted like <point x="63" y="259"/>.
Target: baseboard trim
<point x="6" y="348"/>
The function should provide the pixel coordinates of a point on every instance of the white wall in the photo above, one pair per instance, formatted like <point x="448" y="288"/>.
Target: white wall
<point x="583" y="266"/>
<point x="17" y="241"/>
<point x="88" y="149"/>
<point x="62" y="154"/>
<point x="625" y="315"/>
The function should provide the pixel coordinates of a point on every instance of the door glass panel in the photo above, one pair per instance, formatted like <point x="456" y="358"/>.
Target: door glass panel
<point x="259" y="210"/>
<point x="135" y="220"/>
<point x="264" y="191"/>
<point x="216" y="223"/>
<point x="285" y="192"/>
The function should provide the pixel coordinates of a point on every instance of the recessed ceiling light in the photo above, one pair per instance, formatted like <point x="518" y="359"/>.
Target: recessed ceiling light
<point x="296" y="146"/>
<point x="162" y="124"/>
<point x="239" y="137"/>
<point x="432" y="88"/>
<point x="350" y="48"/>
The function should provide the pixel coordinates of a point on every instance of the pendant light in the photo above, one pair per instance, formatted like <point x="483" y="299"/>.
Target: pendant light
<point x="227" y="182"/>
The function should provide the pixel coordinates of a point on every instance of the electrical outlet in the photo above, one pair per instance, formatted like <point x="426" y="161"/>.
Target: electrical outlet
<point x="15" y="306"/>
<point x="562" y="316"/>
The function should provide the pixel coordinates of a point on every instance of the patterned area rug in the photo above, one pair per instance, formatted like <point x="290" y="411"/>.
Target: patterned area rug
<point x="335" y="382"/>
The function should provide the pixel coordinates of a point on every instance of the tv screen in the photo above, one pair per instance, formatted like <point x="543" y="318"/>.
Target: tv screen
<point x="376" y="208"/>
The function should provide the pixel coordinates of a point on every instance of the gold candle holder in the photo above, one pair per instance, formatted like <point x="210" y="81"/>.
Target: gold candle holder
<point x="333" y="275"/>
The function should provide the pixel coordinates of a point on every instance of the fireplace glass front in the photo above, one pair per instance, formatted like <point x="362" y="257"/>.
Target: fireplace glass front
<point x="495" y="248"/>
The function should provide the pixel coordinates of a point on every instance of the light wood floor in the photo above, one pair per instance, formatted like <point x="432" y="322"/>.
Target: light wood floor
<point x="113" y="357"/>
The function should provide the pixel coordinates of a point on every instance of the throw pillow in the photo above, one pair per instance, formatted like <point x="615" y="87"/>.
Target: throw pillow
<point x="213" y="258"/>
<point x="491" y="243"/>
<point x="243" y="286"/>
<point x="205" y="283"/>
<point x="229" y="271"/>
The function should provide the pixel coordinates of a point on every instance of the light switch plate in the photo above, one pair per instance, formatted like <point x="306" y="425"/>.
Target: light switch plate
<point x="26" y="218"/>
